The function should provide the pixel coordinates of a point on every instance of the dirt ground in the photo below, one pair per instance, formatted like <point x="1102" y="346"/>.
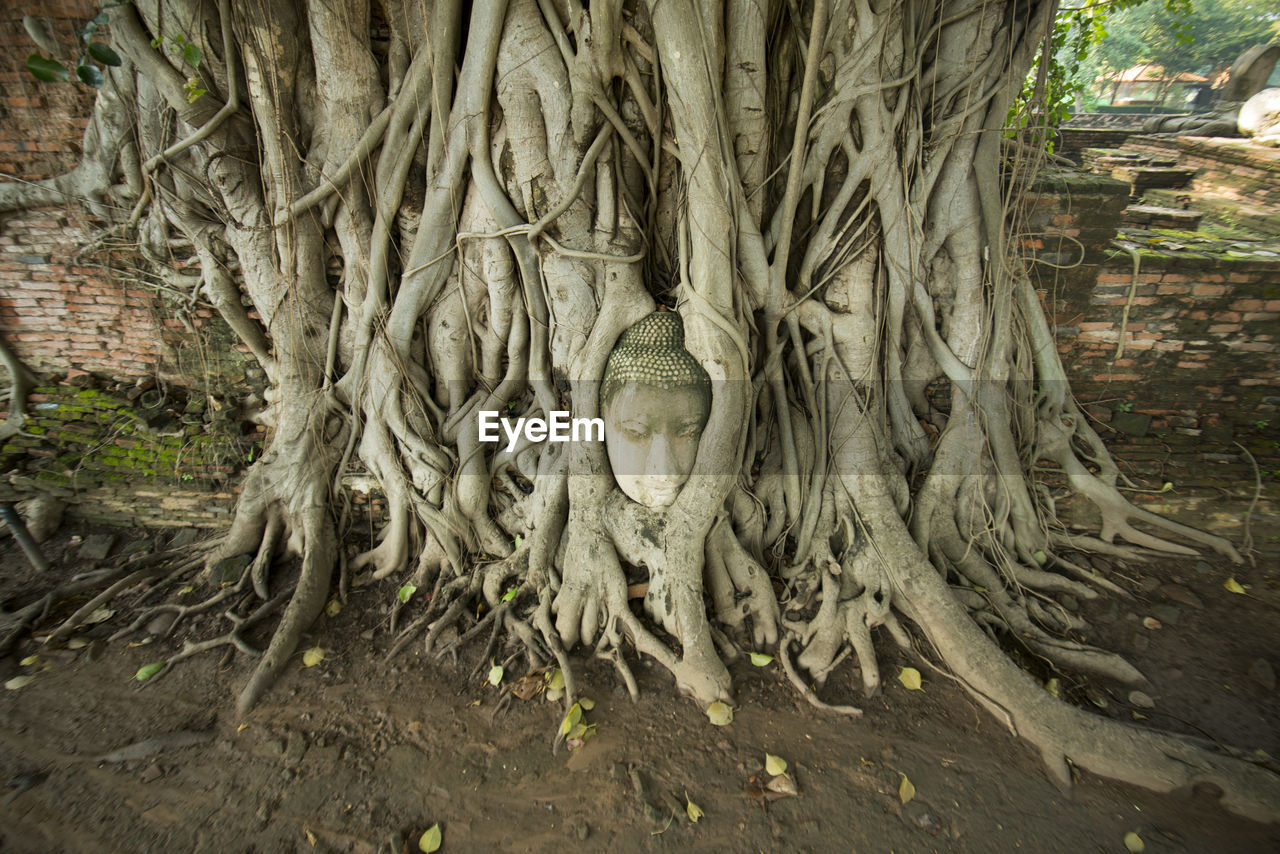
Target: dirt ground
<point x="356" y="754"/>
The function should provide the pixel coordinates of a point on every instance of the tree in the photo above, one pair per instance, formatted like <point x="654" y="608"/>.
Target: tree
<point x="1197" y="37"/>
<point x="450" y="209"/>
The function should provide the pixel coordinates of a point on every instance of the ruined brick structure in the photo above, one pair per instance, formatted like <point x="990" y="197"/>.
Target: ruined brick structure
<point x="1197" y="373"/>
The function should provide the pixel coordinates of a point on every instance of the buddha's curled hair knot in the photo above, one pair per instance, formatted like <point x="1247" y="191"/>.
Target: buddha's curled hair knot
<point x="652" y="352"/>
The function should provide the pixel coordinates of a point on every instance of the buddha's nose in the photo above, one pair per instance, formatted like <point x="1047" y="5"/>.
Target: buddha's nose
<point x="658" y="463"/>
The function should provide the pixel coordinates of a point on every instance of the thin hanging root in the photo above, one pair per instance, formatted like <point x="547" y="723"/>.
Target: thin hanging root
<point x="805" y="691"/>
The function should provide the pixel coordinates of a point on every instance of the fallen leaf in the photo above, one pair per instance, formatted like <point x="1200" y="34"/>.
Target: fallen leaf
<point x="720" y="714"/>
<point x="782" y="786"/>
<point x="19" y="682"/>
<point x="1052" y="686"/>
<point x="571" y="720"/>
<point x="555" y="680"/>
<point x="495" y="675"/>
<point x="910" y="678"/>
<point x="333" y="608"/>
<point x="100" y="615"/>
<point x="313" y="656"/>
<point x="527" y="686"/>
<point x="1151" y="623"/>
<point x="29" y="660"/>
<point x="311" y="837"/>
<point x="519" y="541"/>
<point x="692" y="810"/>
<point x="1040" y="557"/>
<point x="77" y="643"/>
<point x="431" y="839"/>
<point x="587" y="704"/>
<point x="510" y="594"/>
<point x="184" y="591"/>
<point x="774" y="765"/>
<point x="759" y="659"/>
<point x="1233" y="585"/>
<point x="906" y="791"/>
<point x="406" y="592"/>
<point x="146" y="671"/>
<point x="1134" y="843"/>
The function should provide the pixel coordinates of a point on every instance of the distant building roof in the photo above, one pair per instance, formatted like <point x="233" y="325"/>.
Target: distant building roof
<point x="1151" y="73"/>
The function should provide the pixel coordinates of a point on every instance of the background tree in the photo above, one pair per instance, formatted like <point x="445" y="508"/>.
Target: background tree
<point x="1199" y="37"/>
<point x="447" y="208"/>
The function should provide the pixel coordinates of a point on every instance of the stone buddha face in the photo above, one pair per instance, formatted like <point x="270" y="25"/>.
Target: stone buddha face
<point x="655" y="400"/>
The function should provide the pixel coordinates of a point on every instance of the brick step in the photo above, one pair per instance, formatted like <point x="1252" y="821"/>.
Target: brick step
<point x="1231" y="213"/>
<point x="1143" y="178"/>
<point x="1102" y="161"/>
<point x="1155" y="216"/>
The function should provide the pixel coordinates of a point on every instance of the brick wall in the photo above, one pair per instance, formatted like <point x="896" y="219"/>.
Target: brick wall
<point x="41" y="124"/>
<point x="1228" y="168"/>
<point x="1074" y="140"/>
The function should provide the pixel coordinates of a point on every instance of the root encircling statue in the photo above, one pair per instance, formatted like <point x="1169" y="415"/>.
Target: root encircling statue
<point x="467" y="212"/>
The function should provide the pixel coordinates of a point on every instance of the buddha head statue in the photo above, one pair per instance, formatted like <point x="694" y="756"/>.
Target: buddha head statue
<point x="655" y="400"/>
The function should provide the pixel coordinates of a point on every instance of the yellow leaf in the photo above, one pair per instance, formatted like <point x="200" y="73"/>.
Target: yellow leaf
<point x="430" y="841"/>
<point x="1233" y="585"/>
<point x="720" y="714"/>
<point x="77" y="643"/>
<point x="692" y="810"/>
<point x="495" y="675"/>
<point x="313" y="656"/>
<point x="1040" y="557"/>
<point x="571" y="719"/>
<point x="555" y="680"/>
<point x="910" y="678"/>
<point x="759" y="659"/>
<point x="19" y="682"/>
<point x="29" y="660"/>
<point x="774" y="765"/>
<point x="333" y="608"/>
<point x="184" y="591"/>
<point x="1052" y="686"/>
<point x="906" y="791"/>
<point x="311" y="837"/>
<point x="1134" y="843"/>
<point x="587" y="704"/>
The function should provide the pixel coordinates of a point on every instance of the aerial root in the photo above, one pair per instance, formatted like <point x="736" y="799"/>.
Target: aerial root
<point x="805" y="691"/>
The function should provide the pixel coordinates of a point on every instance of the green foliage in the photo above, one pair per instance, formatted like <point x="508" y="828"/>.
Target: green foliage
<point x="49" y="70"/>
<point x="1196" y="36"/>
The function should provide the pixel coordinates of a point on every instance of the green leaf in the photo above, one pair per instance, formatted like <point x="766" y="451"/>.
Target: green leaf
<point x="406" y="593"/>
<point x="910" y="678"/>
<point x="48" y="70"/>
<point x="759" y="659"/>
<point x="1232" y="585"/>
<point x="102" y="52"/>
<point x="146" y="671"/>
<point x="519" y="541"/>
<point x="29" y="660"/>
<point x="692" y="810"/>
<point x="191" y="55"/>
<point x="774" y="765"/>
<point x="313" y="656"/>
<point x="510" y="594"/>
<point x="495" y="675"/>
<point x="1040" y="557"/>
<point x="90" y="75"/>
<point x="430" y="841"/>
<point x="571" y="720"/>
<point x="555" y="680"/>
<point x="587" y="704"/>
